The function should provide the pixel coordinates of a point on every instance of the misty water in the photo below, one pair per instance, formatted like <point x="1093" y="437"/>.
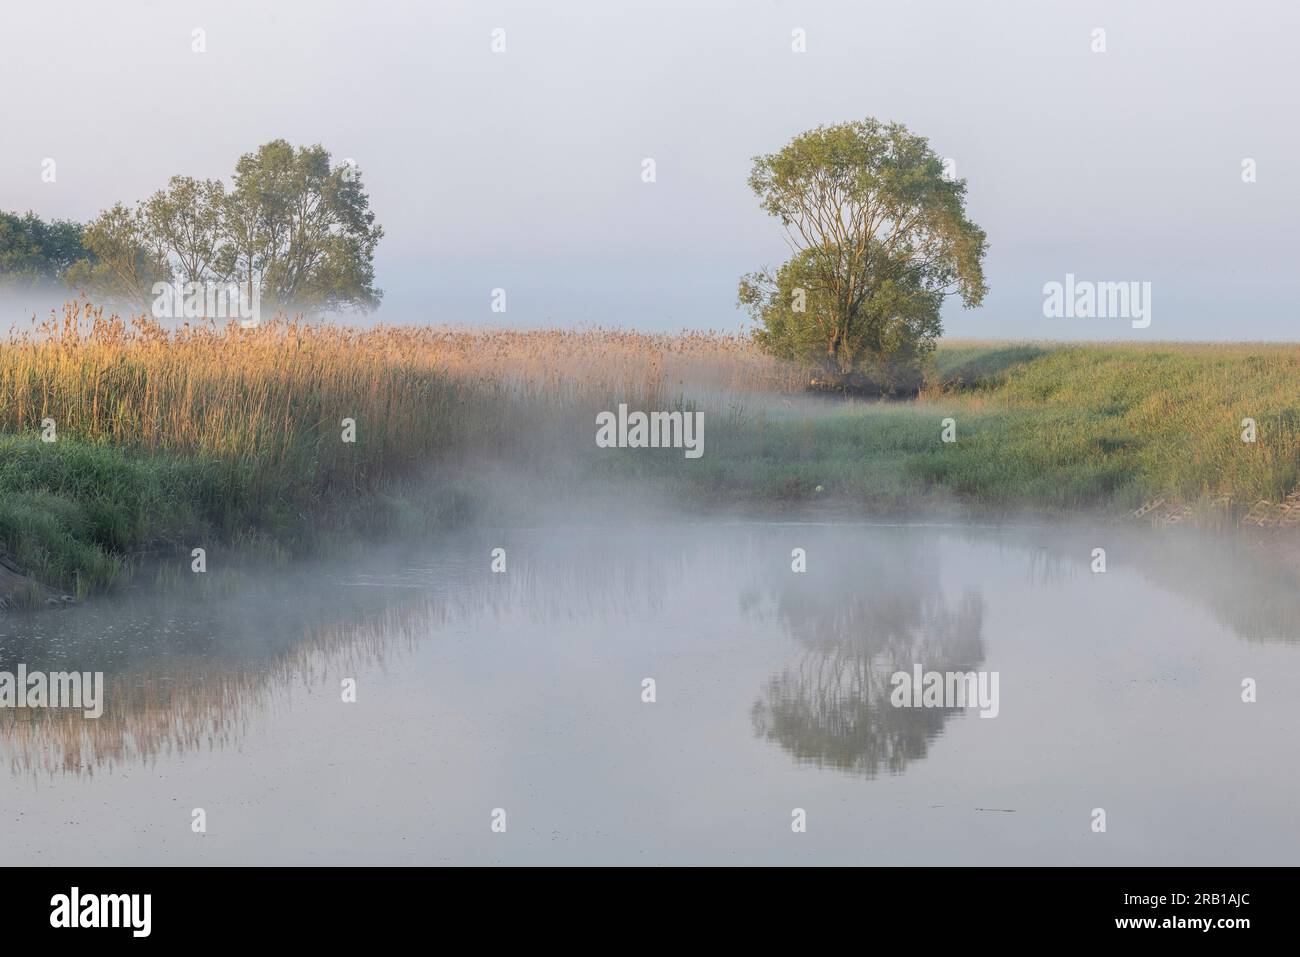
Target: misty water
<point x="523" y="691"/>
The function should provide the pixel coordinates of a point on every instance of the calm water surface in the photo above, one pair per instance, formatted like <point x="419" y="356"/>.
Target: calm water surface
<point x="523" y="691"/>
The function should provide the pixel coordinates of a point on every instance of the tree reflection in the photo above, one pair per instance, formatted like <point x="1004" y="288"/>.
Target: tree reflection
<point x="858" y="623"/>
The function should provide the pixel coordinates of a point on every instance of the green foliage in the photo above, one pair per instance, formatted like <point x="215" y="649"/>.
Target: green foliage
<point x="123" y="264"/>
<point x="290" y="226"/>
<point x="881" y="238"/>
<point x="33" y="251"/>
<point x="70" y="511"/>
<point x="302" y="229"/>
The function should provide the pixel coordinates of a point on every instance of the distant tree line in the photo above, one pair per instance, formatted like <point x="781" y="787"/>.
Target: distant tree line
<point x="289" y="224"/>
<point x="33" y="251"/>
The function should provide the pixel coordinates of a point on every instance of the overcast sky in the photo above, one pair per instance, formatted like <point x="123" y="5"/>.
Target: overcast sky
<point x="522" y="170"/>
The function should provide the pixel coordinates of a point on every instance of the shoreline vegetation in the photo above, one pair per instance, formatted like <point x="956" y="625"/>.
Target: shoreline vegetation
<point x="120" y="439"/>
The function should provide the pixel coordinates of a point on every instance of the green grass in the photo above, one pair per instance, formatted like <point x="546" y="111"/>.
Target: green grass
<point x="74" y="514"/>
<point x="1038" y="426"/>
<point x="1043" y="427"/>
<point x="70" y="511"/>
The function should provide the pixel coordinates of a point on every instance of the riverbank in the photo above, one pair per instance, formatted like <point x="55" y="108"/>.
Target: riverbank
<point x="120" y="439"/>
<point x="1152" y="432"/>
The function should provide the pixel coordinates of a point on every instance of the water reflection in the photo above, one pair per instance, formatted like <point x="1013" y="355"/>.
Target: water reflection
<point x="207" y="672"/>
<point x="188" y="669"/>
<point x="879" y="608"/>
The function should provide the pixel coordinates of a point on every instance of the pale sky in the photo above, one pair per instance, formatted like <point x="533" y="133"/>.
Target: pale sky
<point x="522" y="170"/>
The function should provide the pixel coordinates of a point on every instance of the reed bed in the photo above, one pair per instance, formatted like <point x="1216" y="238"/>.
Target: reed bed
<point x="275" y="391"/>
<point x="206" y="432"/>
<point x="167" y="436"/>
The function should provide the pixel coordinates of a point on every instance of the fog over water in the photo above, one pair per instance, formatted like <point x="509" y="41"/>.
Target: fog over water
<point x="523" y="691"/>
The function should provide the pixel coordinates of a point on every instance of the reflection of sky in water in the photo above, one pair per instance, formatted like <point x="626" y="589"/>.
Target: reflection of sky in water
<point x="523" y="691"/>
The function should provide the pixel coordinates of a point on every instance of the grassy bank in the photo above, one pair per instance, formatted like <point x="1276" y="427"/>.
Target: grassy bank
<point x="202" y="438"/>
<point x="1041" y="427"/>
<point x="228" y="437"/>
<point x="291" y="436"/>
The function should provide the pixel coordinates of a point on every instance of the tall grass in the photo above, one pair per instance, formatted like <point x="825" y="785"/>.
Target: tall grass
<point x="277" y="393"/>
<point x="270" y="399"/>
<point x="222" y="433"/>
<point x="165" y="436"/>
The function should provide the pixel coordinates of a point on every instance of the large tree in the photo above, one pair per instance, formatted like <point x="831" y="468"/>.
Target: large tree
<point x="185" y="220"/>
<point x="880" y="239"/>
<point x="291" y="228"/>
<point x="301" y="229"/>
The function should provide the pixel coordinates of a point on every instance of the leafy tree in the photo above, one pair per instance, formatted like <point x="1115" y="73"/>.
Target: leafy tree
<point x="301" y="229"/>
<point x="185" y="221"/>
<point x="33" y="251"/>
<point x="292" y="227"/>
<point x="124" y="261"/>
<point x="879" y="237"/>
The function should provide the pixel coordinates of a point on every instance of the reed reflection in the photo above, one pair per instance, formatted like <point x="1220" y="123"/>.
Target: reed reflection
<point x="188" y="667"/>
